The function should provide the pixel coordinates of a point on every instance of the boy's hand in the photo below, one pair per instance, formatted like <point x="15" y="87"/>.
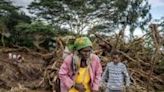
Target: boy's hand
<point x="128" y="89"/>
<point x="80" y="87"/>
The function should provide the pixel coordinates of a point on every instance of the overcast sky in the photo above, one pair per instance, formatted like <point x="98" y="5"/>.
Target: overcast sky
<point x="157" y="8"/>
<point x="22" y="2"/>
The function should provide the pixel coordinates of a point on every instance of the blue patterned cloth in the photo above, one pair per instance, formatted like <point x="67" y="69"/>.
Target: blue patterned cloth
<point x="116" y="76"/>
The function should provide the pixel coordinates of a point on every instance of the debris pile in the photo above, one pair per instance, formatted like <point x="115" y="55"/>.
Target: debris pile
<point x="32" y="70"/>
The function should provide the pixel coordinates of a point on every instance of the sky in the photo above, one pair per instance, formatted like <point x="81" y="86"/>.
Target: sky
<point x="157" y="8"/>
<point x="157" y="11"/>
<point x="22" y="3"/>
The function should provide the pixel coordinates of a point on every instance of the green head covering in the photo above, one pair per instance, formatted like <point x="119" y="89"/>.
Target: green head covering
<point x="82" y="42"/>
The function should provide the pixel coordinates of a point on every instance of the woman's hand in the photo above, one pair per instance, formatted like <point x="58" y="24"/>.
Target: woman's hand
<point x="95" y="91"/>
<point x="80" y="87"/>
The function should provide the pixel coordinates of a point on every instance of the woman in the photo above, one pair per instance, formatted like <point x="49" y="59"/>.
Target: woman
<point x="82" y="71"/>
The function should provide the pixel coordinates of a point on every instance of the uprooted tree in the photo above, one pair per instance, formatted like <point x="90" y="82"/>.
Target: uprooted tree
<point x="144" y="61"/>
<point x="143" y="55"/>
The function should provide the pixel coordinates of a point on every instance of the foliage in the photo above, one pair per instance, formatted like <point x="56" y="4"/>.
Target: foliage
<point x="10" y="16"/>
<point x="25" y="33"/>
<point x="81" y="15"/>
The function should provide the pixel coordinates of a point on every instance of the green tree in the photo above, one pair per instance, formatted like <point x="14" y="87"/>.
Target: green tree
<point x="6" y="9"/>
<point x="10" y="16"/>
<point x="80" y="15"/>
<point x="32" y="35"/>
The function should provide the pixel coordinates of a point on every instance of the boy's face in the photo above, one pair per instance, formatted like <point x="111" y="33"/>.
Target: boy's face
<point x="116" y="59"/>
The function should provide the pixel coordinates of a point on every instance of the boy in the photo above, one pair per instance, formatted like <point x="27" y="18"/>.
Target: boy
<point x="116" y="75"/>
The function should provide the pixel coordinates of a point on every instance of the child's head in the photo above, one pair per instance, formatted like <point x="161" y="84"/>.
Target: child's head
<point x="116" y="57"/>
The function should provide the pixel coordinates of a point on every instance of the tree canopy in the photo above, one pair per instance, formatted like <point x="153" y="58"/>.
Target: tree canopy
<point x="10" y="16"/>
<point x="81" y="15"/>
